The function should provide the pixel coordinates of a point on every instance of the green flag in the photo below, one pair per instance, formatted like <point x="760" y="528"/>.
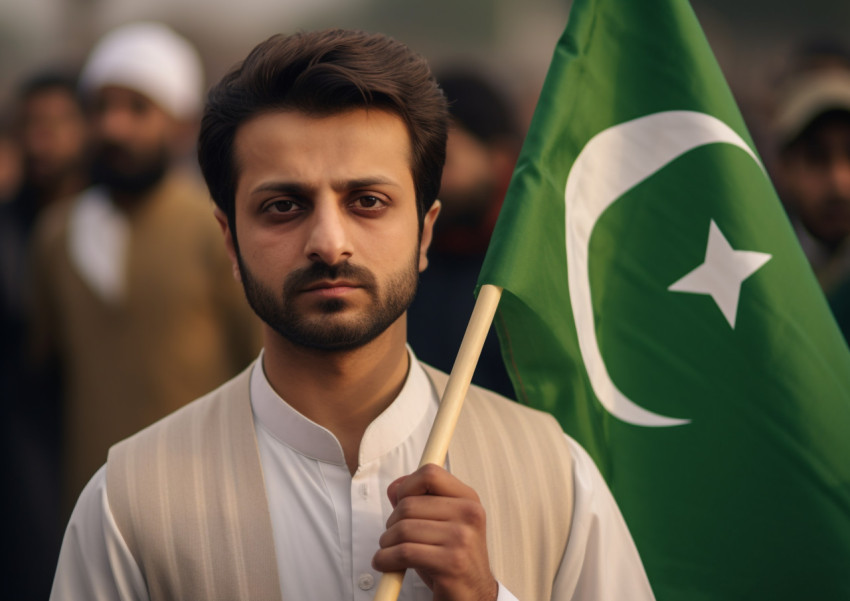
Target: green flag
<point x="657" y="302"/>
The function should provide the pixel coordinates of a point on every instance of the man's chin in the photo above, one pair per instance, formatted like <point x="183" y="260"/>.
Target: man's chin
<point x="330" y="339"/>
<point x="331" y="306"/>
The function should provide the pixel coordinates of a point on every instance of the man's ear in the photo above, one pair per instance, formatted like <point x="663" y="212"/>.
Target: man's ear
<point x="224" y="224"/>
<point x="428" y="233"/>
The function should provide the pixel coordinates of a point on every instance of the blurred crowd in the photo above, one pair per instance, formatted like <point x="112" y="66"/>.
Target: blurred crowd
<point x="117" y="301"/>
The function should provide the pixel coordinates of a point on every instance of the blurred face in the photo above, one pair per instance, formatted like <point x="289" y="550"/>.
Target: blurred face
<point x="326" y="225"/>
<point x="815" y="177"/>
<point x="133" y="138"/>
<point x="469" y="181"/>
<point x="53" y="134"/>
<point x="10" y="167"/>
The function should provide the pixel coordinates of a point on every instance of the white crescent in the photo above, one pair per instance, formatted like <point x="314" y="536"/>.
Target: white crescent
<point x="613" y="162"/>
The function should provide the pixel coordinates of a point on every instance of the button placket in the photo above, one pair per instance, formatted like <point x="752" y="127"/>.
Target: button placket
<point x="365" y="582"/>
<point x="367" y="524"/>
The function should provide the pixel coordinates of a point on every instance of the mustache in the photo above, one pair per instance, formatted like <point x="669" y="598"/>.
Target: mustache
<point x="319" y="271"/>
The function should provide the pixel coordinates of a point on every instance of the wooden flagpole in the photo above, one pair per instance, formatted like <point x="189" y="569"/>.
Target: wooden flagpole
<point x="437" y="446"/>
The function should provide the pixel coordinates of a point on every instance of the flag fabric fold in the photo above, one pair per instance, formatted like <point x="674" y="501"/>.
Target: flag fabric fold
<point x="656" y="301"/>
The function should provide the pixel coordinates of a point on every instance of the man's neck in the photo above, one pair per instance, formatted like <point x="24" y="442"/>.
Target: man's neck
<point x="342" y="391"/>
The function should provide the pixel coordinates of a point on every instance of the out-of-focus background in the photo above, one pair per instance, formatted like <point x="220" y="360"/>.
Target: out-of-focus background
<point x="513" y="39"/>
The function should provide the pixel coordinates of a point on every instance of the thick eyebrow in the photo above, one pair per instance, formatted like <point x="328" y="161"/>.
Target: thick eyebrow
<point x="301" y="189"/>
<point x="283" y="187"/>
<point x="364" y="182"/>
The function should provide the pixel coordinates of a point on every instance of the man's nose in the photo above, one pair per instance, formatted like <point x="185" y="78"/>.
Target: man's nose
<point x="113" y="124"/>
<point x="328" y="240"/>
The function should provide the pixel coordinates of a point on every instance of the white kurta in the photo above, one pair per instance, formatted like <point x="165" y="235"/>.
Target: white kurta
<point x="326" y="522"/>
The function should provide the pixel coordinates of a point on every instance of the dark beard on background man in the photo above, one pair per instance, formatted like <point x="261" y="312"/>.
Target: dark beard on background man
<point x="324" y="334"/>
<point x="135" y="176"/>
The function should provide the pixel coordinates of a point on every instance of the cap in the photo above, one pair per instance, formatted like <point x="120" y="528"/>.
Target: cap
<point x="807" y="97"/>
<point x="149" y="58"/>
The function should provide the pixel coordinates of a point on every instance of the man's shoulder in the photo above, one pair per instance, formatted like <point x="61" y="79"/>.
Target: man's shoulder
<point x="195" y="414"/>
<point x="479" y="395"/>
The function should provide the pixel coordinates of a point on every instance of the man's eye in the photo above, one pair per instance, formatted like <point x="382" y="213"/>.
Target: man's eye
<point x="281" y="206"/>
<point x="369" y="202"/>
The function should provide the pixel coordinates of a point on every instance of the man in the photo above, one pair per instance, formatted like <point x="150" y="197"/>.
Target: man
<point x="51" y="133"/>
<point x="812" y="125"/>
<point x="133" y="292"/>
<point x="323" y="153"/>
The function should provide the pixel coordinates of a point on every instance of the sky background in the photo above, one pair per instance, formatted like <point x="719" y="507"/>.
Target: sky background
<point x="512" y="40"/>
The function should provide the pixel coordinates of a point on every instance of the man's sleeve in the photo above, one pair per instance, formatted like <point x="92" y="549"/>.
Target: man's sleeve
<point x="601" y="560"/>
<point x="95" y="563"/>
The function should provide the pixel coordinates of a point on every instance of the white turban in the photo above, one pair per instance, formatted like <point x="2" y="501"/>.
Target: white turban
<point x="149" y="58"/>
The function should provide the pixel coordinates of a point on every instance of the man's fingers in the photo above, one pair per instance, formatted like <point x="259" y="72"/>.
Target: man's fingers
<point x="392" y="490"/>
<point x="438" y="527"/>
<point x="423" y="531"/>
<point x="438" y="509"/>
<point x="450" y="561"/>
<point x="432" y="480"/>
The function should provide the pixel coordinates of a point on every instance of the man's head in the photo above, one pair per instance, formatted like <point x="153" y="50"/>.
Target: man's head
<point x="325" y="73"/>
<point x="142" y="85"/>
<point x="52" y="130"/>
<point x="813" y="126"/>
<point x="482" y="148"/>
<point x="323" y="152"/>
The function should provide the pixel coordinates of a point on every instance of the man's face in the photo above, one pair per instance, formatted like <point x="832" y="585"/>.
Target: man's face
<point x="815" y="177"/>
<point x="133" y="139"/>
<point x="53" y="134"/>
<point x="469" y="185"/>
<point x="326" y="225"/>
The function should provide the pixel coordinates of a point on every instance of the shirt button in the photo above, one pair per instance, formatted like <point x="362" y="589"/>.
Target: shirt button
<point x="364" y="491"/>
<point x="365" y="581"/>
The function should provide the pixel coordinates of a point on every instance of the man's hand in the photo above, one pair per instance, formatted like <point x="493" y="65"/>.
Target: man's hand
<point x="437" y="527"/>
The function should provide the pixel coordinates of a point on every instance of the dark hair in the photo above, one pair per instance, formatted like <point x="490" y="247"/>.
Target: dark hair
<point x="325" y="73"/>
<point x="479" y="106"/>
<point x="48" y="80"/>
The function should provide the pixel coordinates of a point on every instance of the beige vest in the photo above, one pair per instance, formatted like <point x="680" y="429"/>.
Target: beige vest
<point x="189" y="499"/>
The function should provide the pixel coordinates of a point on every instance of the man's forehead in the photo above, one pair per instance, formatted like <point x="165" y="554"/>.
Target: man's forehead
<point x="121" y="96"/>
<point x="312" y="125"/>
<point x="117" y="93"/>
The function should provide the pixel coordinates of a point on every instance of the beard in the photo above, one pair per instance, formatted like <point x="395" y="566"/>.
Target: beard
<point x="127" y="171"/>
<point x="329" y="330"/>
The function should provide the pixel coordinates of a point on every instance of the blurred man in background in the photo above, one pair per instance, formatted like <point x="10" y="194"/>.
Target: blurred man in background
<point x="133" y="290"/>
<point x="11" y="164"/>
<point x="50" y="134"/>
<point x="812" y="125"/>
<point x="482" y="148"/>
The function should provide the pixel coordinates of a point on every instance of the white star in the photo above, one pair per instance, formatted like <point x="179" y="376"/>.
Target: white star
<point x="722" y="273"/>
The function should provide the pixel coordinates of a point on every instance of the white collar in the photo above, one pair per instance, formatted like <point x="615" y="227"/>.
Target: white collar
<point x="98" y="238"/>
<point x="389" y="430"/>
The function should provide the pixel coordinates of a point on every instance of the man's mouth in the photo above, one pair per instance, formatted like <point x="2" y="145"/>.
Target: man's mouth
<point x="331" y="287"/>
